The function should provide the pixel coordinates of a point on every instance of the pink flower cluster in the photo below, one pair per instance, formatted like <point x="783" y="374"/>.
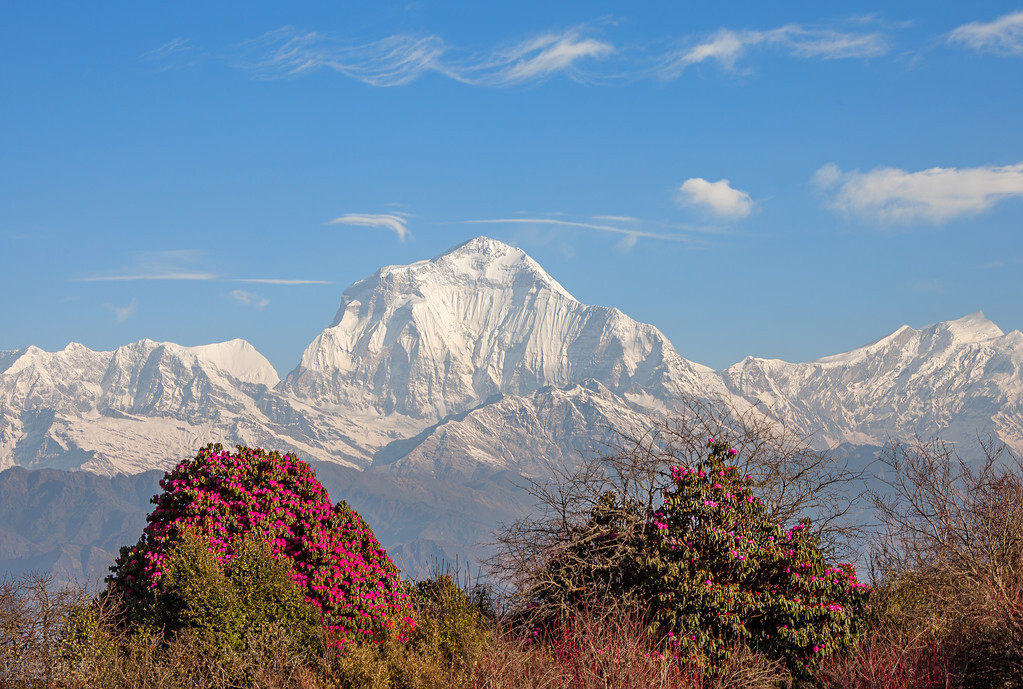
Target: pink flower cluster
<point x="333" y="554"/>
<point x="756" y="578"/>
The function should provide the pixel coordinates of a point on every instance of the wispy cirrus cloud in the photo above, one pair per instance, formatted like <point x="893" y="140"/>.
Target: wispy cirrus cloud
<point x="616" y="218"/>
<point x="177" y="53"/>
<point x="123" y="313"/>
<point x="937" y="194"/>
<point x="581" y="53"/>
<point x="535" y="59"/>
<point x="717" y="197"/>
<point x="1003" y="36"/>
<point x="386" y="221"/>
<point x="401" y="59"/>
<point x="726" y="46"/>
<point x="177" y="264"/>
<point x="160" y="276"/>
<point x="279" y="281"/>
<point x="252" y="299"/>
<point x="391" y="61"/>
<point x="629" y="236"/>
<point x="180" y="264"/>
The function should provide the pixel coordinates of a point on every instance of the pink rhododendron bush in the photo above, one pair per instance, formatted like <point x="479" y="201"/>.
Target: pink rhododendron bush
<point x="711" y="570"/>
<point x="725" y="573"/>
<point x="257" y="515"/>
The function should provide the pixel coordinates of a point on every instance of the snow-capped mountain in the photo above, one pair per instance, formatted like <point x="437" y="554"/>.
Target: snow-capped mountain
<point x="443" y="385"/>
<point x="958" y="378"/>
<point x="442" y="363"/>
<point x="525" y="435"/>
<point x="439" y="337"/>
<point x="145" y="405"/>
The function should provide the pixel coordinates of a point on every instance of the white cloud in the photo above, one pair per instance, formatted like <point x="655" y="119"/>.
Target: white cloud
<point x="936" y="194"/>
<point x="532" y="60"/>
<point x="615" y="218"/>
<point x="717" y="197"/>
<point x="629" y="236"/>
<point x="826" y="44"/>
<point x="159" y="265"/>
<point x="160" y="276"/>
<point x="123" y="313"/>
<point x="394" y="223"/>
<point x="1003" y="36"/>
<point x="278" y="281"/>
<point x="249" y="299"/>
<point x="391" y="61"/>
<point x="628" y="241"/>
<point x="401" y="59"/>
<point x="174" y="54"/>
<point x="726" y="46"/>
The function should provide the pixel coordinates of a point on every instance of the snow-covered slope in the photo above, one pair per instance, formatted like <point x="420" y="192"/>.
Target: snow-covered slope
<point x="439" y="337"/>
<point x="957" y="378"/>
<point x="145" y="405"/>
<point x="479" y="359"/>
<point x="526" y="435"/>
<point x="442" y="385"/>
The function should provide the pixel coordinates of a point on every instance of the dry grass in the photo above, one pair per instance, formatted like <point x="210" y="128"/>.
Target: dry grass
<point x="608" y="649"/>
<point x="54" y="637"/>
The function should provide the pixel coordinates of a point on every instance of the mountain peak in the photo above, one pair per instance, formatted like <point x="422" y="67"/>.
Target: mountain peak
<point x="480" y="245"/>
<point x="494" y="262"/>
<point x="438" y="337"/>
<point x="479" y="265"/>
<point x="974" y="327"/>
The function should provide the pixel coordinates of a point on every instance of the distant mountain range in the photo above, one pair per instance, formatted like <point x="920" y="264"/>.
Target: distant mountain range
<point x="468" y="372"/>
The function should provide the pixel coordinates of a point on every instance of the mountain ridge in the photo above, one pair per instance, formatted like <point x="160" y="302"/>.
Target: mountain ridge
<point x="429" y="347"/>
<point x="442" y="387"/>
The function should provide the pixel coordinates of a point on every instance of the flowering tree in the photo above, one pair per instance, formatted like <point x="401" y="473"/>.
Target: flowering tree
<point x="712" y="568"/>
<point x="227" y="499"/>
<point x="726" y="573"/>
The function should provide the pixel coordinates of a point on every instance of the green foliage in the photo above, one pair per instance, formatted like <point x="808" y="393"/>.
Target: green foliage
<point x="222" y="604"/>
<point x="196" y="595"/>
<point x="269" y="596"/>
<point x="453" y="623"/>
<point x="727" y="574"/>
<point x="713" y="570"/>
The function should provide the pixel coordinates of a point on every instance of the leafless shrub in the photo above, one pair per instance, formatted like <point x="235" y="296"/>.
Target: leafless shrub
<point x="952" y="554"/>
<point x="891" y="659"/>
<point x="34" y="612"/>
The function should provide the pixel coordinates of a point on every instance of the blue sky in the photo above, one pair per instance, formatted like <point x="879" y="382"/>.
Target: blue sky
<point x="781" y="179"/>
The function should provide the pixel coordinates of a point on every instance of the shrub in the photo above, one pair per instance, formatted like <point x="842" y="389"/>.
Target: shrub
<point x="453" y="623"/>
<point x="713" y="569"/>
<point x="220" y="604"/>
<point x="227" y="503"/>
<point x="951" y="564"/>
